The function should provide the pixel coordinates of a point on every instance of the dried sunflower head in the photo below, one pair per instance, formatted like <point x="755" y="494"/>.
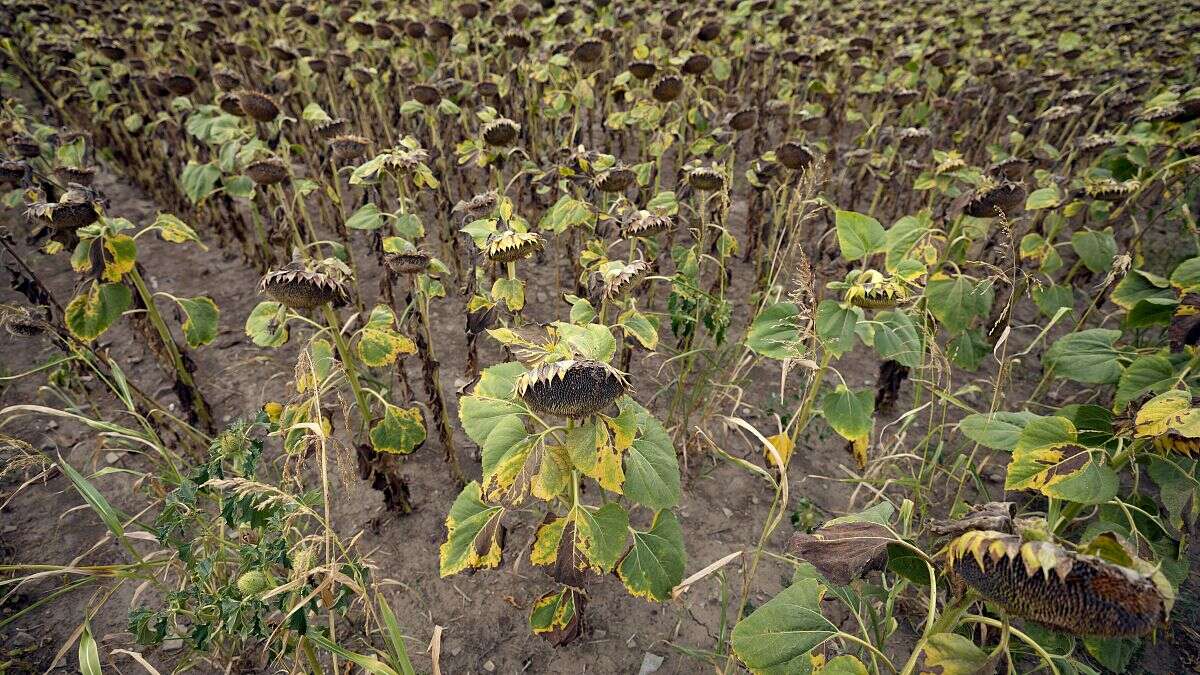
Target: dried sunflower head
<point x="257" y="105"/>
<point x="510" y="246"/>
<point x="516" y="39"/>
<point x="13" y="171"/>
<point x="1097" y="142"/>
<point x="298" y="287"/>
<point x="696" y="64"/>
<point x="743" y="119"/>
<point x="794" y="155"/>
<point x="1012" y="168"/>
<point x="24" y="145"/>
<point x="1109" y="190"/>
<point x="500" y="132"/>
<point x="616" y="278"/>
<point x="20" y="322"/>
<point x="77" y="207"/>
<point x="179" y="84"/>
<point x="480" y="205"/>
<point x="871" y="289"/>
<point x="1059" y="113"/>
<point x="1063" y="590"/>
<point x="588" y="51"/>
<point x="643" y="70"/>
<point x="571" y="388"/>
<point x="990" y="200"/>
<point x="667" y="88"/>
<point x="408" y="262"/>
<point x="1160" y="113"/>
<point x="643" y="223"/>
<point x="425" y="94"/>
<point x="80" y="175"/>
<point x="330" y="129"/>
<point x="615" y="179"/>
<point x="267" y="171"/>
<point x="705" y="179"/>
<point x="349" y="147"/>
<point x="225" y="79"/>
<point x="228" y="103"/>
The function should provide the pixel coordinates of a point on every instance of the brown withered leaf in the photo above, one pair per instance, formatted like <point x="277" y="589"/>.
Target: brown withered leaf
<point x="845" y="551"/>
<point x="997" y="516"/>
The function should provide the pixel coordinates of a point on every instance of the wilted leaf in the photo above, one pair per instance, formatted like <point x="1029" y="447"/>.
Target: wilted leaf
<point x="843" y="552"/>
<point x="474" y="534"/>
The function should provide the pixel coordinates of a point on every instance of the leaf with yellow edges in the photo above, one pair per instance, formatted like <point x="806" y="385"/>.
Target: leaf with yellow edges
<point x="474" y="534"/>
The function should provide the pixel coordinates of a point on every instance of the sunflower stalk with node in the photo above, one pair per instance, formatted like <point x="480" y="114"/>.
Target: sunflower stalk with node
<point x="110" y="257"/>
<point x="571" y="418"/>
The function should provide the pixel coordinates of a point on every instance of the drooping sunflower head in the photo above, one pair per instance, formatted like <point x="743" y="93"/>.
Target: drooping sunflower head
<point x="258" y="106"/>
<point x="500" y="132"/>
<point x="617" y="278"/>
<point x="267" y="171"/>
<point x="643" y="70"/>
<point x="298" y="287"/>
<point x="667" y="88"/>
<point x="990" y="201"/>
<point x="332" y="128"/>
<point x="571" y="388"/>
<point x="411" y="261"/>
<point x="793" y="155"/>
<point x="226" y="79"/>
<point x="615" y="179"/>
<point x="1061" y="589"/>
<point x="645" y="224"/>
<point x="706" y="179"/>
<point x="743" y="119"/>
<point x="348" y="147"/>
<point x="79" y="206"/>
<point x="1110" y="190"/>
<point x="479" y="205"/>
<point x="20" y="322"/>
<point x="871" y="289"/>
<point x="81" y="175"/>
<point x="12" y="171"/>
<point x="510" y="246"/>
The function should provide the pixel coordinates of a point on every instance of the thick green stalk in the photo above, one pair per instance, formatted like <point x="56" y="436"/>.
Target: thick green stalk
<point x="182" y="374"/>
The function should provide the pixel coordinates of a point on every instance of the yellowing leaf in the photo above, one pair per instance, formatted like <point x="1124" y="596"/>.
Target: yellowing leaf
<point x="473" y="535"/>
<point x="121" y="256"/>
<point x="401" y="430"/>
<point x="783" y="445"/>
<point x="381" y="347"/>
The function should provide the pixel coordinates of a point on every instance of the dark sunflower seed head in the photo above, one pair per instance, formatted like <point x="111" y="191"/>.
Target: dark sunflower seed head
<point x="1063" y="590"/>
<point x="510" y="246"/>
<point x="257" y="105"/>
<point x="300" y="288"/>
<point x="500" y="132"/>
<point x="572" y="388"/>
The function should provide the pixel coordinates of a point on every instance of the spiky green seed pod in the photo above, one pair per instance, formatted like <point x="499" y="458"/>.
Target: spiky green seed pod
<point x="253" y="583"/>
